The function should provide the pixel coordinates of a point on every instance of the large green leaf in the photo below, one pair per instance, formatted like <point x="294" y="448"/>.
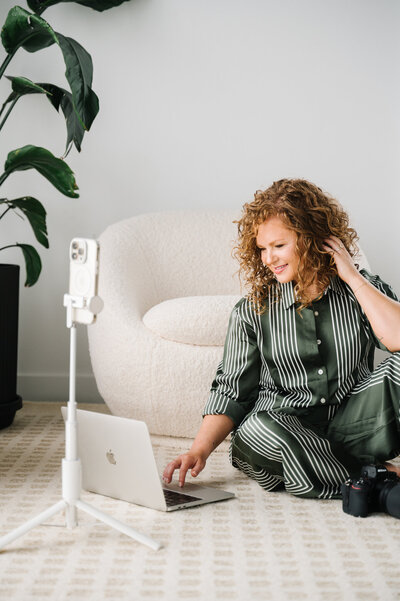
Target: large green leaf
<point x="33" y="263"/>
<point x="38" y="6"/>
<point x="22" y="29"/>
<point x="22" y="86"/>
<point x="60" y="97"/>
<point x="79" y="74"/>
<point x="35" y="212"/>
<point x="52" y="168"/>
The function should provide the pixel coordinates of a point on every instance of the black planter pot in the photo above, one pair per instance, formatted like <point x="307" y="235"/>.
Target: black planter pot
<point x="10" y="402"/>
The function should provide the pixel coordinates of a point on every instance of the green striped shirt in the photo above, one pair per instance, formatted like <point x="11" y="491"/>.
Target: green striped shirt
<point x="285" y="361"/>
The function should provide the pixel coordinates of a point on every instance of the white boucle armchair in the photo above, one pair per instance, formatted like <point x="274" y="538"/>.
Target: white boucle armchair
<point x="169" y="283"/>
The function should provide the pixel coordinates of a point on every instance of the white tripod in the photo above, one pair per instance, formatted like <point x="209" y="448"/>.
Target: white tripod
<point x="71" y="464"/>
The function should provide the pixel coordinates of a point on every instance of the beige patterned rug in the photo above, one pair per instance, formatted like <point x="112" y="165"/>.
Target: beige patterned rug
<point x="268" y="546"/>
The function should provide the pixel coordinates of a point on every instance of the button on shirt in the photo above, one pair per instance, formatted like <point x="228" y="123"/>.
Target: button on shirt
<point x="282" y="360"/>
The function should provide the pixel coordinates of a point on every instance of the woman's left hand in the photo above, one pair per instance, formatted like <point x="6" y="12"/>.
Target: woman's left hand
<point x="344" y="263"/>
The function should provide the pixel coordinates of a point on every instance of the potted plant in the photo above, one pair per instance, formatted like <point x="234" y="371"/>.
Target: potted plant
<point x="26" y="29"/>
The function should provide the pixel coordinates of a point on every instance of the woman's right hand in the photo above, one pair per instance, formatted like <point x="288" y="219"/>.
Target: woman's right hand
<point x="213" y="430"/>
<point x="187" y="461"/>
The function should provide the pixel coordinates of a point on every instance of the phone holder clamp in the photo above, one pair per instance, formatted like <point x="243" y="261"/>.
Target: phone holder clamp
<point x="94" y="304"/>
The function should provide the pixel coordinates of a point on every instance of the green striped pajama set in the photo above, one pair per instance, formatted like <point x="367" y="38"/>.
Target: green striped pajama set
<point x="309" y="408"/>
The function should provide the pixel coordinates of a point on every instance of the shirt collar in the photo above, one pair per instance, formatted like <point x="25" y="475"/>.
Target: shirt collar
<point x="287" y="290"/>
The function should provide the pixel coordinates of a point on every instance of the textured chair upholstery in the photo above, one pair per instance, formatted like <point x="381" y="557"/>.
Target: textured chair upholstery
<point x="144" y="262"/>
<point x="168" y="283"/>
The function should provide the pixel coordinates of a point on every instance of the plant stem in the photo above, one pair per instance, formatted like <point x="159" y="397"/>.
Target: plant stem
<point x="3" y="107"/>
<point x="1" y="216"/>
<point x="3" y="177"/>
<point x="9" y="111"/>
<point x="5" y="63"/>
<point x="9" y="246"/>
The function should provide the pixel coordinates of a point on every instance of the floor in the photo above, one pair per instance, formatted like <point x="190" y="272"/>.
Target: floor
<point x="270" y="546"/>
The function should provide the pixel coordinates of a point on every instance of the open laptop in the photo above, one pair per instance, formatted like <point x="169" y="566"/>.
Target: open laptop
<point x="118" y="461"/>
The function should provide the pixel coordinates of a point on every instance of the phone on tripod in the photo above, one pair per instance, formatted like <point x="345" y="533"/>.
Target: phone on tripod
<point x="83" y="276"/>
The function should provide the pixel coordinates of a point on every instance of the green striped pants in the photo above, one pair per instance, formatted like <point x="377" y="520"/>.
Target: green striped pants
<point x="311" y="454"/>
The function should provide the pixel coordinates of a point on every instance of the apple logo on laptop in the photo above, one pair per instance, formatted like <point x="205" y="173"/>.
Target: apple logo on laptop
<point x="110" y="457"/>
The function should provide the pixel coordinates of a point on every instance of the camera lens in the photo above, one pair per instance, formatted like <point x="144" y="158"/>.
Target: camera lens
<point x="390" y="498"/>
<point x="74" y="256"/>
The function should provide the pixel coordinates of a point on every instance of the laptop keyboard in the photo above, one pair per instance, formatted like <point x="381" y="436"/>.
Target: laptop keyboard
<point x="177" y="498"/>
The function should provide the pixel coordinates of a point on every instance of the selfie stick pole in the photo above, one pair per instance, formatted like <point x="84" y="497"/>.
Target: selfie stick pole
<point x="71" y="464"/>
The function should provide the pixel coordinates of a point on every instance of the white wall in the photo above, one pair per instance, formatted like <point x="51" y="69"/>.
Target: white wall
<point x="202" y="103"/>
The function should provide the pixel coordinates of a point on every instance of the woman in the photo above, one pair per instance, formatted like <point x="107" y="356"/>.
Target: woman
<point x="296" y="385"/>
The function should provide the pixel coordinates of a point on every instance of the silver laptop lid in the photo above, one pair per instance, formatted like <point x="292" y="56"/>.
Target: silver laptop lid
<point x="117" y="459"/>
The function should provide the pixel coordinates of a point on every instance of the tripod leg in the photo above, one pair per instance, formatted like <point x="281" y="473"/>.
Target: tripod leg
<point x="103" y="517"/>
<point x="36" y="521"/>
<point x="71" y="516"/>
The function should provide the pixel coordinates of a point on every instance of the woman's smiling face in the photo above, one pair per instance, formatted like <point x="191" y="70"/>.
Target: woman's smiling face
<point x="278" y="249"/>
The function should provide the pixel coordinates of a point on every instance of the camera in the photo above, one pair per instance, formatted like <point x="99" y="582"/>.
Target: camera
<point x="377" y="489"/>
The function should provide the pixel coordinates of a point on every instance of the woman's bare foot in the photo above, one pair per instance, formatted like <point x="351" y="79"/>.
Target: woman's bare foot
<point x="392" y="468"/>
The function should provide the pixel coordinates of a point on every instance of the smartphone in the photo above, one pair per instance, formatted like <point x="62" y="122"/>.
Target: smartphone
<point x="83" y="276"/>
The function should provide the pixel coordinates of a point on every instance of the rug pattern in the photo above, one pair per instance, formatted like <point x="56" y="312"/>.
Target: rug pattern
<point x="267" y="546"/>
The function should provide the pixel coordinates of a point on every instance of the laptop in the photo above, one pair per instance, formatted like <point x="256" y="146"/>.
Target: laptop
<point x="118" y="461"/>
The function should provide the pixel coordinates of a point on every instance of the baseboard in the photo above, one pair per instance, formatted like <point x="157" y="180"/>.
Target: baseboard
<point x="55" y="387"/>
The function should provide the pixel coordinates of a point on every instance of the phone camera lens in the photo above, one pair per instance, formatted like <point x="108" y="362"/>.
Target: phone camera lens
<point x="75" y="245"/>
<point x="74" y="256"/>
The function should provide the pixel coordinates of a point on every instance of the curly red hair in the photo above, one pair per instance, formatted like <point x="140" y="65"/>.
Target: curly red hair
<point x="313" y="215"/>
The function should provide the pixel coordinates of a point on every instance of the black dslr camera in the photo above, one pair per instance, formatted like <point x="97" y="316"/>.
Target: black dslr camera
<point x="377" y="489"/>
